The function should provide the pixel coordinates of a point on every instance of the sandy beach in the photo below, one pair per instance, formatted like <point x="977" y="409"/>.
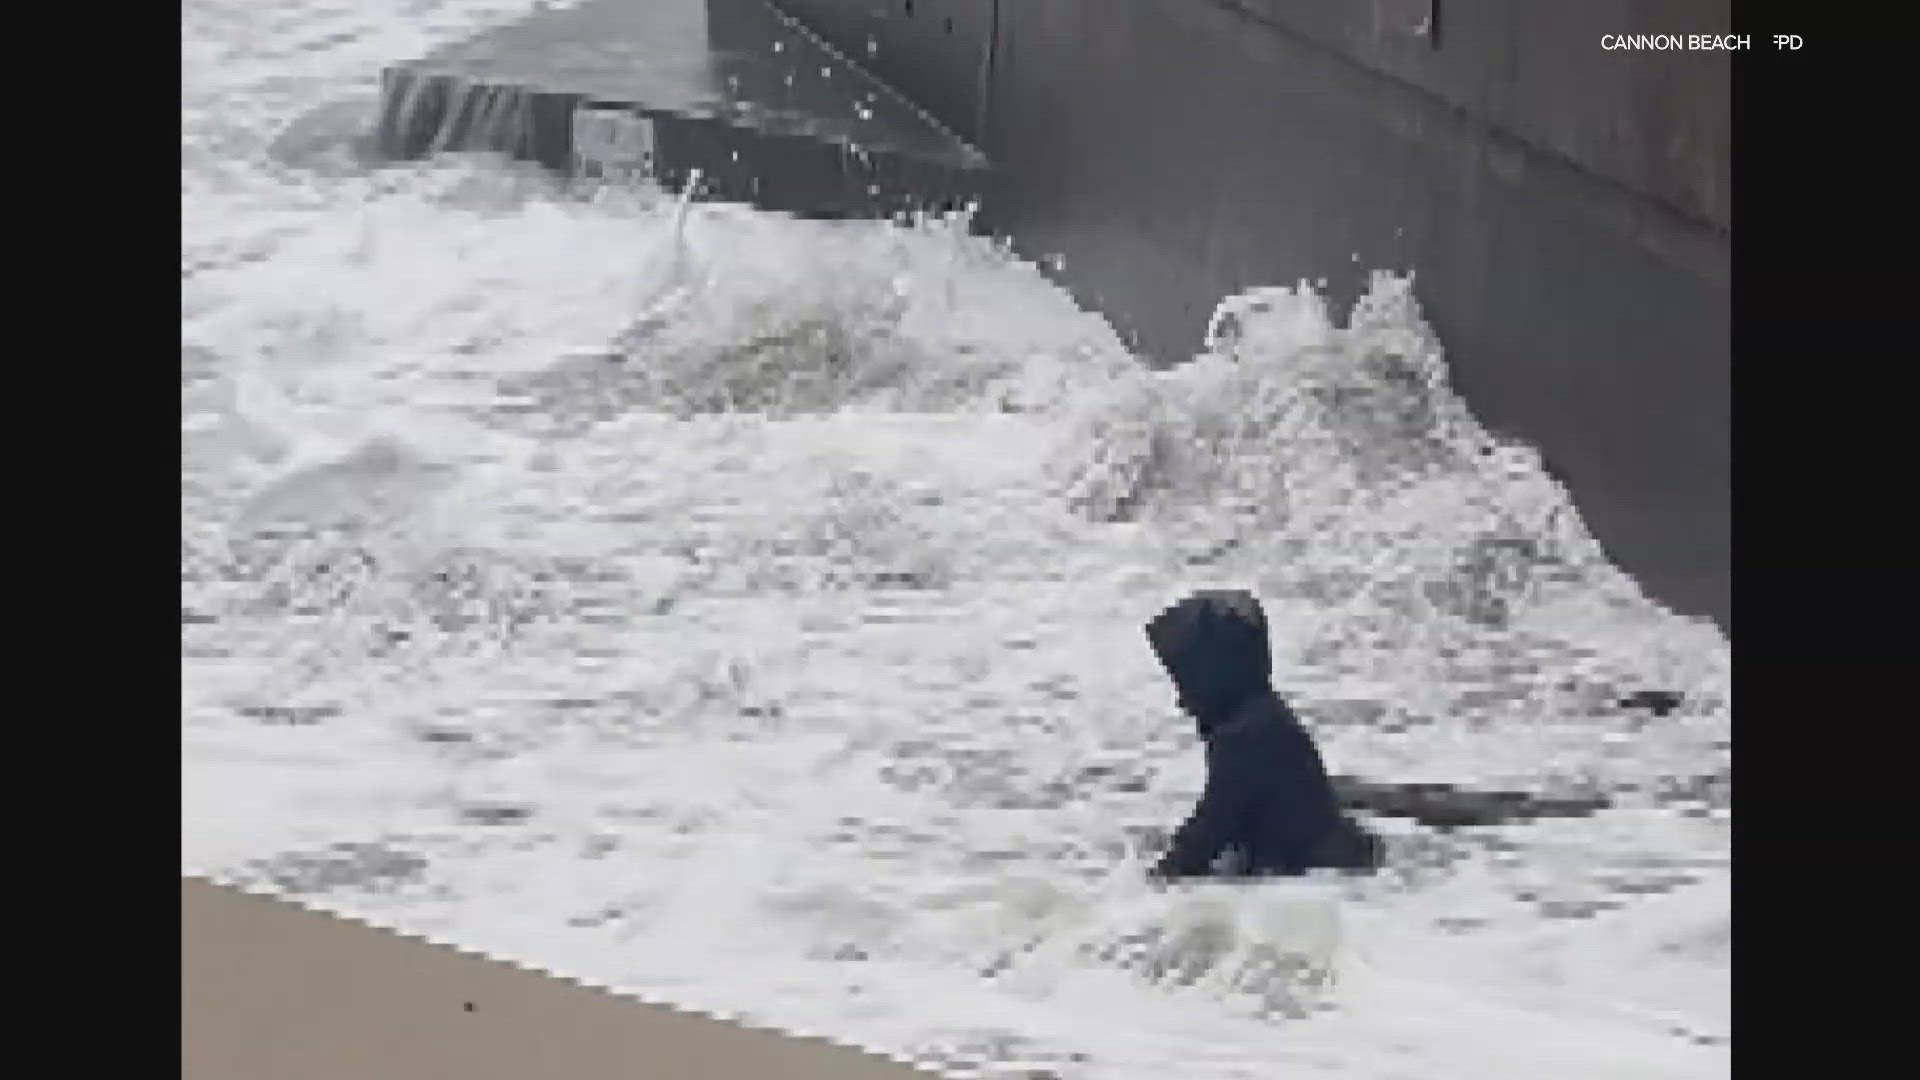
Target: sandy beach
<point x="272" y="989"/>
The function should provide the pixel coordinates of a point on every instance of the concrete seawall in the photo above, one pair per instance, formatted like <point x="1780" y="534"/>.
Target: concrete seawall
<point x="1566" y="207"/>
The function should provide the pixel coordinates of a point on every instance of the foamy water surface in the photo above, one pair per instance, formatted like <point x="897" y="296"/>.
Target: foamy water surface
<point x="746" y="612"/>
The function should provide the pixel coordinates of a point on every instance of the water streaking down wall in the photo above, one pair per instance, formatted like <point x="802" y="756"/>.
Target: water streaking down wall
<point x="727" y="97"/>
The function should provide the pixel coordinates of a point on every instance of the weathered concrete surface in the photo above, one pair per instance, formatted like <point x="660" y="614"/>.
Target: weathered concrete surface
<point x="755" y="106"/>
<point x="937" y="53"/>
<point x="1653" y="122"/>
<point x="1565" y="207"/>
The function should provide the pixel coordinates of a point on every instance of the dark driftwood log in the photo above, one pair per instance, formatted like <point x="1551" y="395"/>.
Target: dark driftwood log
<point x="1443" y="806"/>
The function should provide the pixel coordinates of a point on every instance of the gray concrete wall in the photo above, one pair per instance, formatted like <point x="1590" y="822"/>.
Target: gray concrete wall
<point x="935" y="52"/>
<point x="1654" y="122"/>
<point x="1565" y="207"/>
<point x="727" y="91"/>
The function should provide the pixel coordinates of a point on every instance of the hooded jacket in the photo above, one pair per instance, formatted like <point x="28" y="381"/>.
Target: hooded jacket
<point x="1268" y="805"/>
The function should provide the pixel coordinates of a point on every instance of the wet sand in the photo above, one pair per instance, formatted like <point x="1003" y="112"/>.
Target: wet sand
<point x="274" y="990"/>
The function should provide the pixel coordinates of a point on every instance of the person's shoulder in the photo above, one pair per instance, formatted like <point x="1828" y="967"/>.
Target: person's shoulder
<point x="1265" y="726"/>
<point x="1270" y="707"/>
<point x="1262" y="716"/>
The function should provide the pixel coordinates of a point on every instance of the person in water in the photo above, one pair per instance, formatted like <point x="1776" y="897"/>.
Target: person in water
<point x="1268" y="807"/>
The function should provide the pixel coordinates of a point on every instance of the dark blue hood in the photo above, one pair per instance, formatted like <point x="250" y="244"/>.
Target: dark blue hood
<point x="1214" y="646"/>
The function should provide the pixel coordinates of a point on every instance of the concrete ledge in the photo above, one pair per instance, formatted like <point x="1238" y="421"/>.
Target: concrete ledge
<point x="273" y="990"/>
<point x="730" y="91"/>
